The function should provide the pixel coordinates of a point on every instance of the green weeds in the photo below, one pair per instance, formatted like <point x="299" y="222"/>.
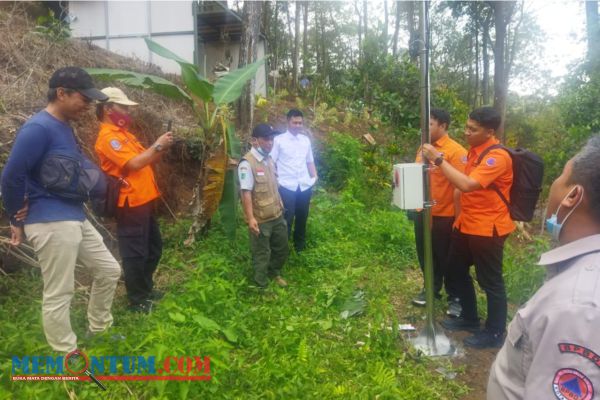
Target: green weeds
<point x="282" y="343"/>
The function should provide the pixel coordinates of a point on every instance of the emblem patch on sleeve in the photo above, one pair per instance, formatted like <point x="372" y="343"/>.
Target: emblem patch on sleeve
<point x="490" y="162"/>
<point x="115" y="144"/>
<point x="570" y="384"/>
<point x="581" y="351"/>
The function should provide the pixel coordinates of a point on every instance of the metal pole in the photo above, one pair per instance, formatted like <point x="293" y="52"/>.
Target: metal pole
<point x="431" y="341"/>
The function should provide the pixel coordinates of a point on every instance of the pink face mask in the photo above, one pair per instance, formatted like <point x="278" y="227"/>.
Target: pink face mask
<point x="119" y="119"/>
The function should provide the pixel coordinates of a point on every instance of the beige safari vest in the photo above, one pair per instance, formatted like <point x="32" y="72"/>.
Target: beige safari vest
<point x="266" y="203"/>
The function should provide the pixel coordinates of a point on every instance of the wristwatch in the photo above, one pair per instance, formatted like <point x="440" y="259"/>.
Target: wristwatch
<point x="438" y="161"/>
<point x="158" y="147"/>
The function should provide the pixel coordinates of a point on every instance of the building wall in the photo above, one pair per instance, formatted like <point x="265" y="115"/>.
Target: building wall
<point x="120" y="26"/>
<point x="228" y="55"/>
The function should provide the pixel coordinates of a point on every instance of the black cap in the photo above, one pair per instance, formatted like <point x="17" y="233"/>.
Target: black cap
<point x="263" y="130"/>
<point x="76" y="79"/>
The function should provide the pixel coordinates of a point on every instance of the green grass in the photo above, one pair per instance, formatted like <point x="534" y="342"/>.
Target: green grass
<point x="282" y="343"/>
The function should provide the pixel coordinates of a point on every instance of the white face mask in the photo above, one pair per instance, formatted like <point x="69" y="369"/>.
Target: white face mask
<point x="552" y="225"/>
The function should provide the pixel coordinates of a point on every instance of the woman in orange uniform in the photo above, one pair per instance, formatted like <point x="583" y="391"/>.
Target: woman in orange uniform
<point x="122" y="155"/>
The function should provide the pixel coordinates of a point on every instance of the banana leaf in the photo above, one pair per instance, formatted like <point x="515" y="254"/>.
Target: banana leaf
<point x="142" y="81"/>
<point x="229" y="87"/>
<point x="196" y="84"/>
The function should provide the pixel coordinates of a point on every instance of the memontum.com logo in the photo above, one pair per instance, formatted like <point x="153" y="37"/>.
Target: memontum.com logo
<point x="78" y="366"/>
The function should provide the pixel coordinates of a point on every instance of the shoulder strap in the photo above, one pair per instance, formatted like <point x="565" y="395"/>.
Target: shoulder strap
<point x="493" y="186"/>
<point x="486" y="151"/>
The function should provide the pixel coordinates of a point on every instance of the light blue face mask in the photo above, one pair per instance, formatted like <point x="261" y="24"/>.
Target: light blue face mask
<point x="261" y="151"/>
<point x="552" y="225"/>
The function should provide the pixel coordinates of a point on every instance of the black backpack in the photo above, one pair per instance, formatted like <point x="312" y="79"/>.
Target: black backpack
<point x="528" y="174"/>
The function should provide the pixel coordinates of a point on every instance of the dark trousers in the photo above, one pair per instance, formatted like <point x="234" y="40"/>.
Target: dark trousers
<point x="486" y="254"/>
<point x="140" y="245"/>
<point x="441" y="233"/>
<point x="296" y="206"/>
<point x="269" y="250"/>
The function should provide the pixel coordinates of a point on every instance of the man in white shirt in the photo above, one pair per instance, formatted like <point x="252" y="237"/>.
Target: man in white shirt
<point x="296" y="175"/>
<point x="552" y="347"/>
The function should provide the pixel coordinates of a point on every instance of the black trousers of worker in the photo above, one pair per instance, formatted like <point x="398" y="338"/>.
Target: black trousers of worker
<point x="296" y="205"/>
<point x="486" y="254"/>
<point x="140" y="245"/>
<point x="441" y="233"/>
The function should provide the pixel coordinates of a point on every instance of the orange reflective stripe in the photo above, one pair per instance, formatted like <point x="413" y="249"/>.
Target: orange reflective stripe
<point x="442" y="191"/>
<point x="483" y="210"/>
<point x="115" y="147"/>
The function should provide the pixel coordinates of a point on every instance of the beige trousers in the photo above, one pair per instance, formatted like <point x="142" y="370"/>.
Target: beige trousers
<point x="58" y="246"/>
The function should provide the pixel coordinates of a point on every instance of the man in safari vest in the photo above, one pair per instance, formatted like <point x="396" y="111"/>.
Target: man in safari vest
<point x="263" y="208"/>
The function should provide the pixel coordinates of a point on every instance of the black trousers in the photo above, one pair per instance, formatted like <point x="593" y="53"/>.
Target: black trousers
<point x="441" y="233"/>
<point x="140" y="245"/>
<point x="296" y="205"/>
<point x="486" y="254"/>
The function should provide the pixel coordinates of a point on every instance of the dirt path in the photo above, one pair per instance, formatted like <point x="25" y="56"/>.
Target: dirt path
<point x="475" y="364"/>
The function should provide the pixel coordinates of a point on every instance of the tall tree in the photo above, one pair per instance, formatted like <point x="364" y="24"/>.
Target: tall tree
<point x="396" y="29"/>
<point x="386" y="21"/>
<point x="251" y="30"/>
<point x="296" y="52"/>
<point x="503" y="11"/>
<point x="413" y="33"/>
<point x="305" y="59"/>
<point x="593" y="31"/>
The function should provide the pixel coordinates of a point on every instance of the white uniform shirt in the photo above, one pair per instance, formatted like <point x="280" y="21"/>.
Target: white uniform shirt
<point x="245" y="170"/>
<point x="291" y="153"/>
<point x="552" y="349"/>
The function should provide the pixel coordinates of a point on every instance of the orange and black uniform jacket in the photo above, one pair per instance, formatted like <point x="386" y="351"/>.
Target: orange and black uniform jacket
<point x="115" y="147"/>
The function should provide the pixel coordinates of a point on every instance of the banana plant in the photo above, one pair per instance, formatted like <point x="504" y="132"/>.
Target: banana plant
<point x="210" y="103"/>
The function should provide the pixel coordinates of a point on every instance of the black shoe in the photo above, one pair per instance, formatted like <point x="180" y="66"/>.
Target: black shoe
<point x="420" y="300"/>
<point x="461" y="324"/>
<point x="485" y="340"/>
<point x="454" y="307"/>
<point x="156" y="295"/>
<point x="145" y="307"/>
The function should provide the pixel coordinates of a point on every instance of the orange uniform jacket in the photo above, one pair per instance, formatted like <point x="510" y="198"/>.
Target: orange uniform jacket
<point x="442" y="191"/>
<point x="115" y="147"/>
<point x="483" y="210"/>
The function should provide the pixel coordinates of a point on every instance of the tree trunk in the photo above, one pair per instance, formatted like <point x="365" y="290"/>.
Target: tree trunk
<point x="396" y="30"/>
<point x="365" y="19"/>
<point x="296" y="51"/>
<point x="593" y="31"/>
<point x="413" y="34"/>
<point x="386" y="21"/>
<point x="502" y="15"/>
<point x="476" y="96"/>
<point x="305" y="66"/>
<point x="485" y="43"/>
<point x="251" y="29"/>
<point x="360" y="27"/>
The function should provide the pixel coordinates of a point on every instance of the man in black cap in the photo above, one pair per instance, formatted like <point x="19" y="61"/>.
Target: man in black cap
<point x="263" y="208"/>
<point x="44" y="156"/>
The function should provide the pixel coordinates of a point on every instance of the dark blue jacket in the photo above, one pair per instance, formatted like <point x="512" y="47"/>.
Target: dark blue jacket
<point x="40" y="135"/>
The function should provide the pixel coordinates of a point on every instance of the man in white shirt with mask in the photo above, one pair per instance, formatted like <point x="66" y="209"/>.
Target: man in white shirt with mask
<point x="552" y="349"/>
<point x="296" y="175"/>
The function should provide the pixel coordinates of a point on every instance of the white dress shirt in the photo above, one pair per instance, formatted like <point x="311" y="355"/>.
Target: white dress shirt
<point x="291" y="154"/>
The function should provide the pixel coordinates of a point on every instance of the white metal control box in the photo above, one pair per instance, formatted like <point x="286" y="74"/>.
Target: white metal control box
<point x="408" y="186"/>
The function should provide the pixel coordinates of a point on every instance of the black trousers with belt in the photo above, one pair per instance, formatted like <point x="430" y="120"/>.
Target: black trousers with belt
<point x="296" y="205"/>
<point x="140" y="245"/>
<point x="486" y="254"/>
<point x="441" y="233"/>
